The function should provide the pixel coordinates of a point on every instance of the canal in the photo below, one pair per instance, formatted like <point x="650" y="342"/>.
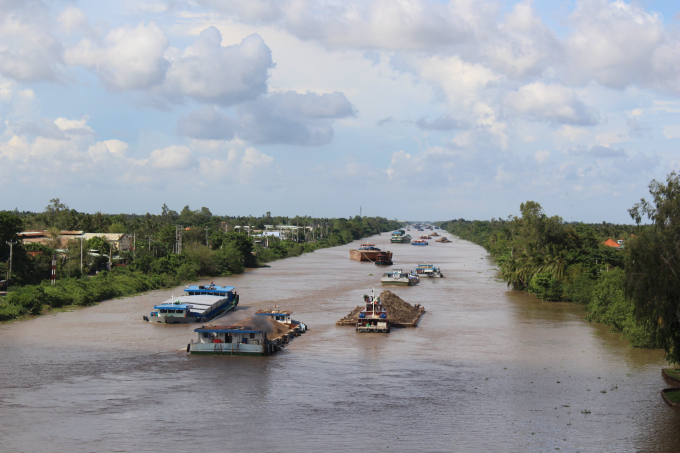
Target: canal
<point x="487" y="369"/>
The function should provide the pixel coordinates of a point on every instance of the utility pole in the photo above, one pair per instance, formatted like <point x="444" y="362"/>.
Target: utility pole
<point x="53" y="277"/>
<point x="134" y="245"/>
<point x="206" y="236"/>
<point x="10" y="243"/>
<point x="359" y="211"/>
<point x="178" y="239"/>
<point x="81" y="254"/>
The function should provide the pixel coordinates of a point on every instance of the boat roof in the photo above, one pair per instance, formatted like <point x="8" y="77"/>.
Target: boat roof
<point x="368" y="244"/>
<point x="198" y="302"/>
<point x="273" y="311"/>
<point x="206" y="288"/>
<point x="228" y="329"/>
<point x="174" y="306"/>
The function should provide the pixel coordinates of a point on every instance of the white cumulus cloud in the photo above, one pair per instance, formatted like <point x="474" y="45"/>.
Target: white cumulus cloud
<point x="126" y="59"/>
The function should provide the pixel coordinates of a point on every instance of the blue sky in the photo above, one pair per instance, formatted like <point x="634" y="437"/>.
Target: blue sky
<point x="412" y="109"/>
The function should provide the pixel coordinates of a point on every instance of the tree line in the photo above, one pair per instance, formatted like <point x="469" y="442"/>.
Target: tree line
<point x="635" y="289"/>
<point x="210" y="246"/>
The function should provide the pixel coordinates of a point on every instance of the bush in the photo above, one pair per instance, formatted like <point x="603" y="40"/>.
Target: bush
<point x="546" y="287"/>
<point x="229" y="260"/>
<point x="580" y="290"/>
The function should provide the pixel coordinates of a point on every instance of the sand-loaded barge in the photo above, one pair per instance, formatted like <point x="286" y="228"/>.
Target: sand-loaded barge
<point x="259" y="335"/>
<point x="399" y="312"/>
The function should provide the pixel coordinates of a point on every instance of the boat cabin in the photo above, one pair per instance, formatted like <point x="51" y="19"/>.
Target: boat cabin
<point x="176" y="309"/>
<point x="368" y="247"/>
<point x="373" y="317"/>
<point x="276" y="314"/>
<point x="231" y="335"/>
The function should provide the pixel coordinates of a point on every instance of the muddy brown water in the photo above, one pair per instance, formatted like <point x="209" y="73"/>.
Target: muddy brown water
<point x="487" y="370"/>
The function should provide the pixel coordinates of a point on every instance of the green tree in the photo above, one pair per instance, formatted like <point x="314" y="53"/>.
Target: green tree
<point x="653" y="268"/>
<point x="97" y="243"/>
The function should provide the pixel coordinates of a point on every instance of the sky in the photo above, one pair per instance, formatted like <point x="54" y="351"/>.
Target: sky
<point x="407" y="109"/>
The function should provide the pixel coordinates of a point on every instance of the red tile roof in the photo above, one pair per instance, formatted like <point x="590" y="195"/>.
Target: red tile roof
<point x="612" y="243"/>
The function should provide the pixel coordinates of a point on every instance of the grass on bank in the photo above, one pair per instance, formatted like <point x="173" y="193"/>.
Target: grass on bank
<point x="673" y="373"/>
<point x="674" y="396"/>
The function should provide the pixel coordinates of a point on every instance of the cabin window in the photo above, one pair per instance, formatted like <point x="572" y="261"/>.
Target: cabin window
<point x="206" y="334"/>
<point x="244" y="341"/>
<point x="227" y="338"/>
<point x="163" y="310"/>
<point x="252" y="335"/>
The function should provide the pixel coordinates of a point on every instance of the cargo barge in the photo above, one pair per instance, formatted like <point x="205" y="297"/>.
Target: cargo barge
<point x="367" y="252"/>
<point x="199" y="304"/>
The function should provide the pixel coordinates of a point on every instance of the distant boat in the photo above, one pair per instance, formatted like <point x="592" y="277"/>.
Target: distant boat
<point x="428" y="270"/>
<point x="400" y="237"/>
<point x="419" y="242"/>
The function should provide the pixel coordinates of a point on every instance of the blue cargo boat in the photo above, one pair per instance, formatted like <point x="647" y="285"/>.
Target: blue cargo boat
<point x="200" y="303"/>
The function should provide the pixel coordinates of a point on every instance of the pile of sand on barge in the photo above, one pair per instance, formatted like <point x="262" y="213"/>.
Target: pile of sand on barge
<point x="272" y="327"/>
<point x="399" y="312"/>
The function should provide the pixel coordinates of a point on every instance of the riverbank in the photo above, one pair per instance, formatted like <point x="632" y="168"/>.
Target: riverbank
<point x="561" y="262"/>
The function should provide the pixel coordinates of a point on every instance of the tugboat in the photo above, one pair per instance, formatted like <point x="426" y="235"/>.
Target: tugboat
<point x="283" y="316"/>
<point x="419" y="242"/>
<point x="399" y="278"/>
<point x="199" y="304"/>
<point x="366" y="252"/>
<point x="428" y="270"/>
<point x="383" y="259"/>
<point x="373" y="317"/>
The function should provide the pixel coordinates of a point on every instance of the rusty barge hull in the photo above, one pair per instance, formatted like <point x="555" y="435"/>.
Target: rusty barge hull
<point x="366" y="255"/>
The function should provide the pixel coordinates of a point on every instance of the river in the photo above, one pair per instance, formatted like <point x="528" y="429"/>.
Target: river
<point x="487" y="369"/>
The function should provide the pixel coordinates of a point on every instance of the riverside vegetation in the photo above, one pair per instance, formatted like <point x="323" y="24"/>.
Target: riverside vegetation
<point x="634" y="290"/>
<point x="208" y="250"/>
